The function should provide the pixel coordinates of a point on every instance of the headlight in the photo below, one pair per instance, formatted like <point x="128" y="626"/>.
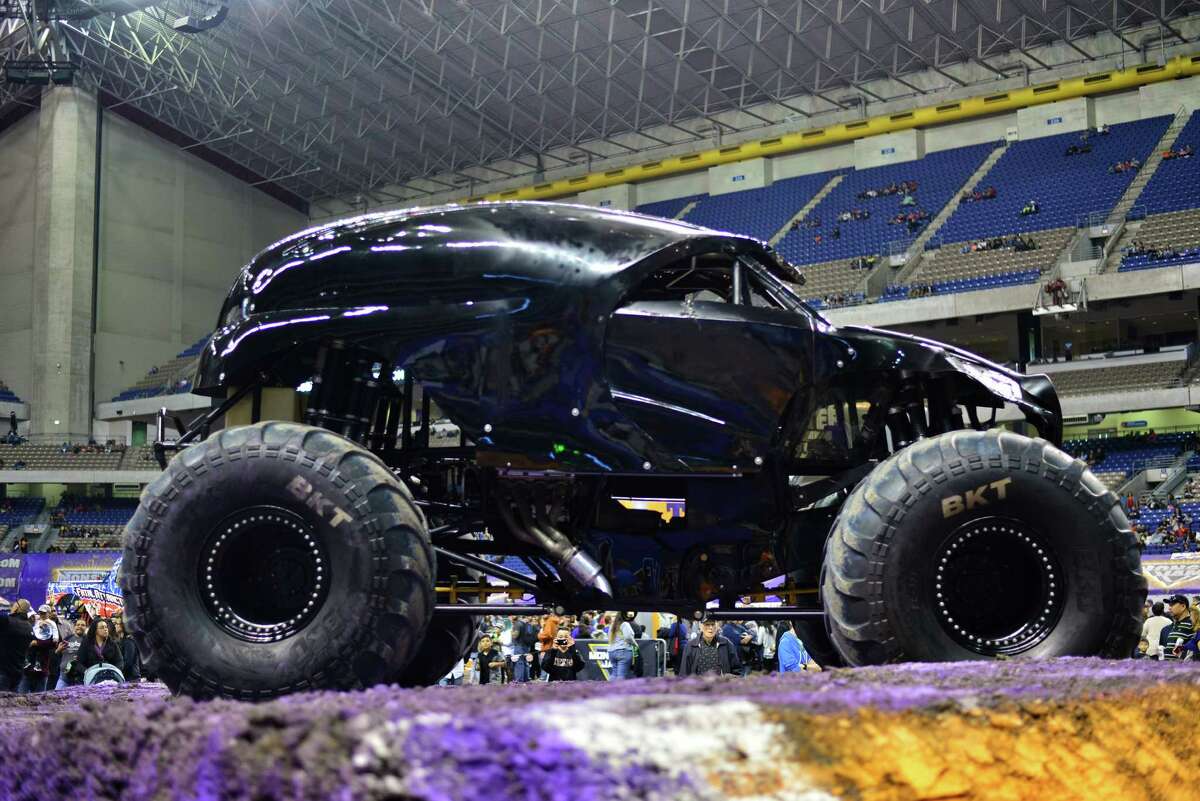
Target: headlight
<point x="997" y="382"/>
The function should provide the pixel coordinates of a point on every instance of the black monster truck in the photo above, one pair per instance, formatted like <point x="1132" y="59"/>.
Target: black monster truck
<point x="588" y="358"/>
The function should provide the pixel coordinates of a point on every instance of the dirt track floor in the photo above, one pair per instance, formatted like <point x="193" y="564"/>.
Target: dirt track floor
<point x="1064" y="729"/>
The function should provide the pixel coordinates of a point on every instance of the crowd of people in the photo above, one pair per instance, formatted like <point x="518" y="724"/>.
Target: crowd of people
<point x="519" y="649"/>
<point x="1159" y="253"/>
<point x="40" y="650"/>
<point x="1016" y="242"/>
<point x="905" y="188"/>
<point x="1170" y="629"/>
<point x="864" y="262"/>
<point x="831" y="299"/>
<point x="976" y="195"/>
<point x="1184" y="152"/>
<point x="912" y="220"/>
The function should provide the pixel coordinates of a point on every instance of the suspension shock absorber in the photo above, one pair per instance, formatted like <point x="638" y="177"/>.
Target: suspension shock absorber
<point x="345" y="391"/>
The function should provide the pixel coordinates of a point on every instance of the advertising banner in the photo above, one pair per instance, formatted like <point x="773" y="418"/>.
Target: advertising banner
<point x="597" y="666"/>
<point x="10" y="575"/>
<point x="1171" y="573"/>
<point x="61" y="578"/>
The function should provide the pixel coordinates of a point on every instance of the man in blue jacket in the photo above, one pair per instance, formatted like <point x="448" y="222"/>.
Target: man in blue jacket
<point x="737" y="633"/>
<point x="793" y="657"/>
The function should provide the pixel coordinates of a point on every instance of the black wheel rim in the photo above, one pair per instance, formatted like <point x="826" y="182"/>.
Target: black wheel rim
<point x="998" y="588"/>
<point x="263" y="574"/>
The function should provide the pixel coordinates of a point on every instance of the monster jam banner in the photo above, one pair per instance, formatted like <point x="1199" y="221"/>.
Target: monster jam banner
<point x="60" y="579"/>
<point x="597" y="666"/>
<point x="10" y="575"/>
<point x="1172" y="573"/>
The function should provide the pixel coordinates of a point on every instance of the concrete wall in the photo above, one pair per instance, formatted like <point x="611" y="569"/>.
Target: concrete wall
<point x="893" y="148"/>
<point x="174" y="231"/>
<point x="739" y="176"/>
<point x="1168" y="96"/>
<point x="1056" y="118"/>
<point x="695" y="183"/>
<point x="18" y="192"/>
<point x="621" y="197"/>
<point x="807" y="162"/>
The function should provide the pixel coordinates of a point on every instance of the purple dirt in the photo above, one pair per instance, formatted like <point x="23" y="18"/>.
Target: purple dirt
<point x="141" y="744"/>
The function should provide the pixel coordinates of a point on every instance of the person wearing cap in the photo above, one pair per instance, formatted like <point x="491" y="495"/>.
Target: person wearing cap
<point x="1181" y="630"/>
<point x="15" y="633"/>
<point x="710" y="653"/>
<point x="36" y="675"/>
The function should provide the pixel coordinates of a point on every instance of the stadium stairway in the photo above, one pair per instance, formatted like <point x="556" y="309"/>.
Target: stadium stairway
<point x="1134" y="191"/>
<point x="809" y="206"/>
<point x="916" y="251"/>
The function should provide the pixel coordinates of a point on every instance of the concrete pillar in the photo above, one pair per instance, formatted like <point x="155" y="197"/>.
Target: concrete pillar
<point x="63" y="276"/>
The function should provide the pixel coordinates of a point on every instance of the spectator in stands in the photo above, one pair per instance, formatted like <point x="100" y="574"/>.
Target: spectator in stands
<point x="68" y="652"/>
<point x="1181" y="628"/>
<point x="12" y="425"/>
<point x="524" y="640"/>
<point x="1030" y="207"/>
<point x="98" y="647"/>
<point x="908" y="200"/>
<point x="621" y="645"/>
<point x="489" y="662"/>
<point x="736" y="632"/>
<point x="129" y="652"/>
<point x="36" y="675"/>
<point x="710" y="653"/>
<point x="561" y="661"/>
<point x="1057" y="290"/>
<point x="793" y="657"/>
<point x="1152" y="629"/>
<point x="16" y="632"/>
<point x="22" y="545"/>
<point x="768" y="642"/>
<point x="583" y="628"/>
<point x="676" y="637"/>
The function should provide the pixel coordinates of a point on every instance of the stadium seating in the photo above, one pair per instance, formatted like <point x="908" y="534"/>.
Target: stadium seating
<point x="171" y="378"/>
<point x="1116" y="378"/>
<point x="1179" y="230"/>
<point x="19" y="511"/>
<point x="830" y="278"/>
<point x="1065" y="187"/>
<point x="939" y="177"/>
<point x="1173" y="186"/>
<point x="759" y="213"/>
<point x="31" y="456"/>
<point x="96" y="512"/>
<point x="668" y="209"/>
<point x="7" y="395"/>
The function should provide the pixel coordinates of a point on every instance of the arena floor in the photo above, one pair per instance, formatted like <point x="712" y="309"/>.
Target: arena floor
<point x="1063" y="729"/>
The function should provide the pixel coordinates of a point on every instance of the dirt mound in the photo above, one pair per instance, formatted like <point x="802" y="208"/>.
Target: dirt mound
<point x="1064" y="729"/>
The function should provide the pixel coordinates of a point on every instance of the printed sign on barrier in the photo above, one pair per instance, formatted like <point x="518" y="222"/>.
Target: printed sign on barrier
<point x="597" y="666"/>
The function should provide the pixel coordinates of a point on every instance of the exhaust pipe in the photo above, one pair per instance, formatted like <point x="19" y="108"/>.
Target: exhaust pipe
<point x="569" y="558"/>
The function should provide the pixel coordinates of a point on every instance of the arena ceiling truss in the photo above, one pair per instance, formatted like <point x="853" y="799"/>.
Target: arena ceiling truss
<point x="346" y="98"/>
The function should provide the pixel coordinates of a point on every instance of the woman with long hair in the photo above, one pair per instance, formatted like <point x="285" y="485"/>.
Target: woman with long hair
<point x="620" y="647"/>
<point x="99" y="647"/>
<point x="129" y="652"/>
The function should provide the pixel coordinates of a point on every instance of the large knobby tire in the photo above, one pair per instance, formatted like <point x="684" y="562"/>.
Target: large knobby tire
<point x="448" y="639"/>
<point x="274" y="558"/>
<point x="972" y="545"/>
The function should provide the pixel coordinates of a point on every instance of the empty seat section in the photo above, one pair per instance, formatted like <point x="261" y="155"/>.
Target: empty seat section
<point x="1065" y="187"/>
<point x="1116" y="378"/>
<point x="939" y="176"/>
<point x="1178" y="231"/>
<point x="959" y="268"/>
<point x="668" y="209"/>
<point x="759" y="213"/>
<point x="1173" y="185"/>
<point x="171" y="378"/>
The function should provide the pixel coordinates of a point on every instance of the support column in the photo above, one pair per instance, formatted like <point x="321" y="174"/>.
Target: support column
<point x="63" y="280"/>
<point x="1029" y="338"/>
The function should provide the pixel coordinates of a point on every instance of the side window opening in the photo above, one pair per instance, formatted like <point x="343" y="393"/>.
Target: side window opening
<point x="708" y="278"/>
